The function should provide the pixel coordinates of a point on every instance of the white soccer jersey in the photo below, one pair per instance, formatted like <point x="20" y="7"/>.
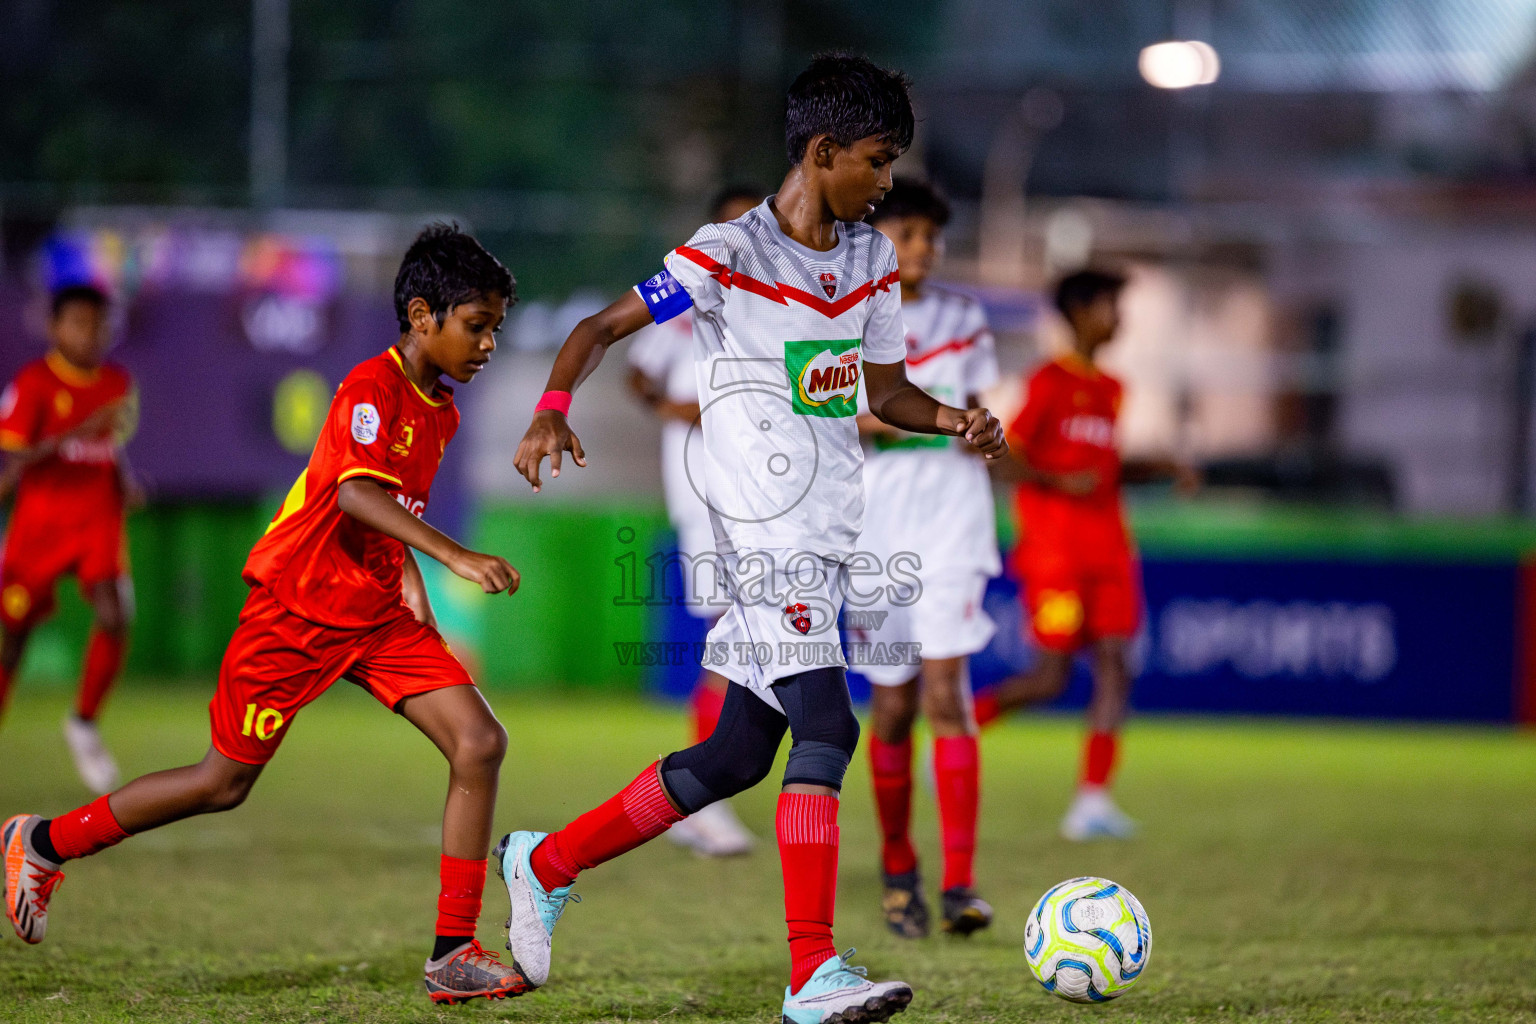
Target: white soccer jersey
<point x="664" y="353"/>
<point x="926" y="494"/>
<point x="779" y="331"/>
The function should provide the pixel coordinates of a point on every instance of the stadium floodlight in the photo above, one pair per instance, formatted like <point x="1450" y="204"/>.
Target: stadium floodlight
<point x="1179" y="64"/>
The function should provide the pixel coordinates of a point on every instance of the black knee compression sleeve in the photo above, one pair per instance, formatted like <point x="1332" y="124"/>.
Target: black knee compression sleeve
<point x="736" y="756"/>
<point x="823" y="729"/>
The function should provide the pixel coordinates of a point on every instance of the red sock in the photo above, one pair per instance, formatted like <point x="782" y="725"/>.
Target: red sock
<point x="987" y="709"/>
<point x="103" y="658"/>
<point x="635" y="815"/>
<point x="85" y="830"/>
<point x="891" y="766"/>
<point x="957" y="772"/>
<point x="1099" y="758"/>
<point x="458" y="901"/>
<point x="808" y="833"/>
<point x="708" y="701"/>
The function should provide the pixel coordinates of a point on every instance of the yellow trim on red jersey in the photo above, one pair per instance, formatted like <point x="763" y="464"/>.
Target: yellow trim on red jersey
<point x="1073" y="362"/>
<point x="348" y="474"/>
<point x="12" y="441"/>
<point x="291" y="504"/>
<point x="434" y="402"/>
<point x="68" y="372"/>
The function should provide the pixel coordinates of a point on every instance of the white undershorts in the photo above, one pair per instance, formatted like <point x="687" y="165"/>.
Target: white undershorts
<point x="946" y="620"/>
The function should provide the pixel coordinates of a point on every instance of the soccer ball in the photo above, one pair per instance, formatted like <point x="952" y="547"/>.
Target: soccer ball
<point x="1087" y="940"/>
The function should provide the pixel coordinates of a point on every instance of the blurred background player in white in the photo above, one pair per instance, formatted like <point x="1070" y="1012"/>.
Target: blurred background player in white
<point x="661" y="374"/>
<point x="929" y="501"/>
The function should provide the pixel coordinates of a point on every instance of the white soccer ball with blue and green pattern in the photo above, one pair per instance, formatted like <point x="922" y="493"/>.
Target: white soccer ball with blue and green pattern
<point x="1087" y="940"/>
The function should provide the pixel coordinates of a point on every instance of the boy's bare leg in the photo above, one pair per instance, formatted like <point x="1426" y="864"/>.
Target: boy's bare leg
<point x="13" y="644"/>
<point x="461" y="724"/>
<point x="893" y="711"/>
<point x="34" y="848"/>
<point x="1111" y="685"/>
<point x="946" y="697"/>
<point x="459" y="721"/>
<point x="1045" y="682"/>
<point x="216" y="783"/>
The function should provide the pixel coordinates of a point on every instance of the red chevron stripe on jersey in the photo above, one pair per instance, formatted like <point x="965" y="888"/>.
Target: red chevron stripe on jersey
<point x="953" y="345"/>
<point x="780" y="292"/>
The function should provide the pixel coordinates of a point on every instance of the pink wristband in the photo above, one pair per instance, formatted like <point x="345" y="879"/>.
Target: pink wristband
<point x="560" y="401"/>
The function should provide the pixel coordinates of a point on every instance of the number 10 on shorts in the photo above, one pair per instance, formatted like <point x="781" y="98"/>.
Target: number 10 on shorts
<point x="263" y="723"/>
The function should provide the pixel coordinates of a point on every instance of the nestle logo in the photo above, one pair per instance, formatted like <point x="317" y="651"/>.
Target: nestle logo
<point x="848" y="358"/>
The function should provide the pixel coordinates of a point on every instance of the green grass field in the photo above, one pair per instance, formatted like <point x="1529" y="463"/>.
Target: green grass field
<point x="1292" y="872"/>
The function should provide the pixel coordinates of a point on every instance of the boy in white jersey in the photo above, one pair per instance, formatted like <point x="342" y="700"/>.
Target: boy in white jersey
<point x="661" y="374"/>
<point x="929" y="501"/>
<point x="786" y="300"/>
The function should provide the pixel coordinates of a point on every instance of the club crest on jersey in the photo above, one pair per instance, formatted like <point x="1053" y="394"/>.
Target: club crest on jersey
<point x="365" y="423"/>
<point x="796" y="613"/>
<point x="402" y="445"/>
<point x="824" y="376"/>
<point x="829" y="284"/>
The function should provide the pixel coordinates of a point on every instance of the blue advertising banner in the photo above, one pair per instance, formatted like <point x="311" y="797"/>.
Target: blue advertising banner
<point x="1427" y="640"/>
<point x="1411" y="639"/>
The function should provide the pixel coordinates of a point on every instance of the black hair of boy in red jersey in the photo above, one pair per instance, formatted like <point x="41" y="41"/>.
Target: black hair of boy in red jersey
<point x="450" y="297"/>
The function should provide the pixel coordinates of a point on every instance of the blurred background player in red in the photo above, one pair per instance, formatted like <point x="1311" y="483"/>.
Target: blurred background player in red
<point x="1082" y="583"/>
<point x="662" y="375"/>
<point x="62" y="423"/>
<point x="928" y="497"/>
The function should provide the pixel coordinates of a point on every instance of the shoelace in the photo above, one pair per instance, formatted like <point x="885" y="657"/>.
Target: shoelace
<point x="860" y="971"/>
<point x="560" y="901"/>
<point x="474" y="951"/>
<point x="47" y="881"/>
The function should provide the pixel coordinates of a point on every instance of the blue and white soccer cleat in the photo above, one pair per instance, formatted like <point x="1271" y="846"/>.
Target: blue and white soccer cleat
<point x="839" y="994"/>
<point x="535" y="911"/>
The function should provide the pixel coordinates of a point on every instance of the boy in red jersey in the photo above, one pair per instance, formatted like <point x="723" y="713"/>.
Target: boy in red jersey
<point x="336" y="591"/>
<point x="1081" y="581"/>
<point x="60" y="421"/>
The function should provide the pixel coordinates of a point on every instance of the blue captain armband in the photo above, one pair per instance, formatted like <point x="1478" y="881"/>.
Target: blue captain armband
<point x="664" y="297"/>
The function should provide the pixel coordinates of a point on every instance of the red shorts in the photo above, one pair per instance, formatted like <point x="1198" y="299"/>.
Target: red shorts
<point x="277" y="662"/>
<point x="1072" y="602"/>
<point x="40" y="548"/>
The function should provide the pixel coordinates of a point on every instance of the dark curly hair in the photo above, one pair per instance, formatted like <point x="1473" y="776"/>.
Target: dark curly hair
<point x="447" y="267"/>
<point x="849" y="98"/>
<point x="909" y="197"/>
<point x="1084" y="288"/>
<point x="87" y="293"/>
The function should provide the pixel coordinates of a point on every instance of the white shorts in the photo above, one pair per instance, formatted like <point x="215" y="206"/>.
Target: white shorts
<point x="945" y="621"/>
<point x="782" y="619"/>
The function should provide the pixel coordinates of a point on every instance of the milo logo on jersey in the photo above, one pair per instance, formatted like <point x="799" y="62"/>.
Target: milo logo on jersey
<point x="824" y="376"/>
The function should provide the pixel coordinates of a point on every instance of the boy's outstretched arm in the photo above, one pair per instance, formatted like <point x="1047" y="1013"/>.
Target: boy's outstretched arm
<point x="549" y="433"/>
<point x="897" y="401"/>
<point x="370" y="504"/>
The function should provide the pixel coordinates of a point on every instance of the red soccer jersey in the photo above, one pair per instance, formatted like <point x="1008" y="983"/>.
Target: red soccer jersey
<point x="1067" y="425"/>
<point x="319" y="562"/>
<point x="49" y="398"/>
